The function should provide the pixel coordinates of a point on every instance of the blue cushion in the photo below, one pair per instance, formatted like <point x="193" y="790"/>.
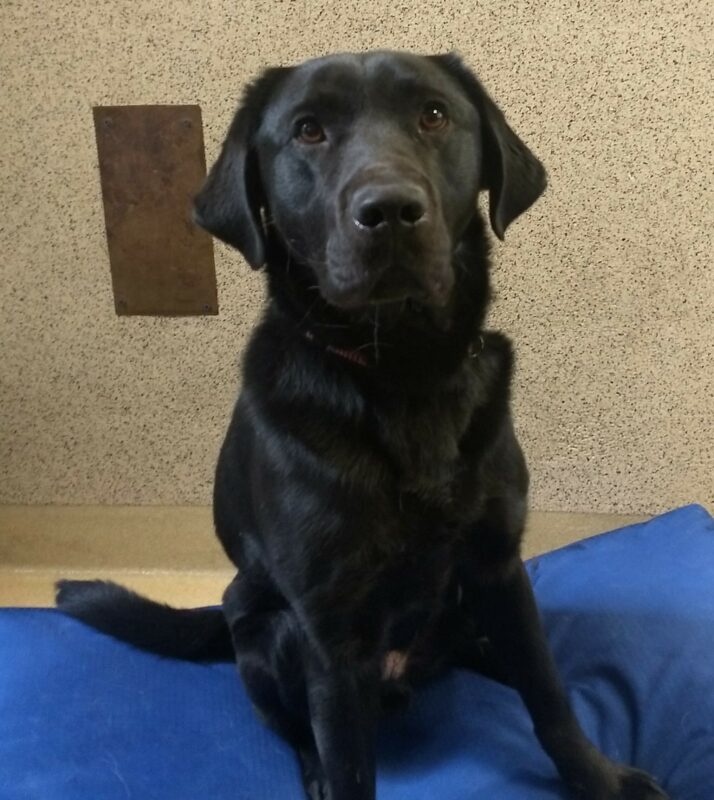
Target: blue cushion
<point x="630" y="616"/>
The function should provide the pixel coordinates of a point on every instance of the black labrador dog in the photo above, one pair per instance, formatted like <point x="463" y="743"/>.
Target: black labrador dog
<point x="370" y="488"/>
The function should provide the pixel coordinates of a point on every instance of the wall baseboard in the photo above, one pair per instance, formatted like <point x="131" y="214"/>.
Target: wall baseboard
<point x="171" y="553"/>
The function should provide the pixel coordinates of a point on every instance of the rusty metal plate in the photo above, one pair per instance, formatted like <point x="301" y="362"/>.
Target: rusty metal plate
<point x="151" y="164"/>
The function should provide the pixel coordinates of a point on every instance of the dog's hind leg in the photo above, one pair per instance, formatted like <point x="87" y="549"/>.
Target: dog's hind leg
<point x="468" y="648"/>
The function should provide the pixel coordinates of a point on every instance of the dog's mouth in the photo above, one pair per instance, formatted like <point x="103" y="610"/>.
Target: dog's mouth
<point x="432" y="289"/>
<point x="356" y="288"/>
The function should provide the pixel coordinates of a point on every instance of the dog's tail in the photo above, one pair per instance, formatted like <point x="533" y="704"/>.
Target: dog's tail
<point x="193" y="634"/>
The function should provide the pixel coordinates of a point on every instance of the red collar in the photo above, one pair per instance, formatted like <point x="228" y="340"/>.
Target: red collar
<point x="353" y="356"/>
<point x="358" y="358"/>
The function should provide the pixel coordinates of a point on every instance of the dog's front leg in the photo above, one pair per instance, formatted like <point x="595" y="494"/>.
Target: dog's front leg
<point x="343" y="708"/>
<point x="505" y="599"/>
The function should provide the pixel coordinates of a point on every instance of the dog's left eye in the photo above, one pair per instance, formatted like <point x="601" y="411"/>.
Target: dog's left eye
<point x="433" y="116"/>
<point x="309" y="131"/>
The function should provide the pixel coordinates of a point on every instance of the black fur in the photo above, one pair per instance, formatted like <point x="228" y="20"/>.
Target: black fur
<point x="370" y="488"/>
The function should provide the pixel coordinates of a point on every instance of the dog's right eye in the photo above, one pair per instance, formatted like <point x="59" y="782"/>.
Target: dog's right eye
<point x="309" y="131"/>
<point x="434" y="117"/>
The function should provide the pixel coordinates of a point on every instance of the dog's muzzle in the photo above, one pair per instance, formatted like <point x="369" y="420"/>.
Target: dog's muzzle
<point x="390" y="242"/>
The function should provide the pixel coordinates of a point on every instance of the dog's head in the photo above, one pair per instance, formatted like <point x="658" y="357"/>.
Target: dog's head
<point x="367" y="168"/>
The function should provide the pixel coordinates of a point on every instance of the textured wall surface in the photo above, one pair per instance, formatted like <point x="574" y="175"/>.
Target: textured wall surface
<point x="606" y="285"/>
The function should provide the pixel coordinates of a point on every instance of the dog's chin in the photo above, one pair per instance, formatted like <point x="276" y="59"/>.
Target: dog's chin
<point x="428" y="288"/>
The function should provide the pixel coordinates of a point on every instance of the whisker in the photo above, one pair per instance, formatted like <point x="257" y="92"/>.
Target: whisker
<point x="308" y="312"/>
<point x="376" y="334"/>
<point x="371" y="344"/>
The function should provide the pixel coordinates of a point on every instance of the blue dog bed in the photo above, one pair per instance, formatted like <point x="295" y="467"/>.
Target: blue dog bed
<point x="630" y="616"/>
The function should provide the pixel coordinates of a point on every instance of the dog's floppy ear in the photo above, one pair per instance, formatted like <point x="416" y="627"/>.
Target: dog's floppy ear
<point x="229" y="203"/>
<point x="514" y="177"/>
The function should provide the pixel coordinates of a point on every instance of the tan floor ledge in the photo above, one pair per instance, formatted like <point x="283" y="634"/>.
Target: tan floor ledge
<point x="170" y="553"/>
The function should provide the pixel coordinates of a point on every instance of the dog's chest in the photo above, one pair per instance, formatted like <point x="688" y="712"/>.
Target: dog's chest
<point x="423" y="436"/>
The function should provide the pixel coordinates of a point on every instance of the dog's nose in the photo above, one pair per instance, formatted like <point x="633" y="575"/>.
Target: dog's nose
<point x="378" y="207"/>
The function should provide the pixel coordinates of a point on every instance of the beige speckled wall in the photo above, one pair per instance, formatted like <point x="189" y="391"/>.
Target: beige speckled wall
<point x="607" y="285"/>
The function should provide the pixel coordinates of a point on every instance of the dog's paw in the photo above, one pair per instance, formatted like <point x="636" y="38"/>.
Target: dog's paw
<point x="612" y="781"/>
<point x="617" y="782"/>
<point x="316" y="790"/>
<point x="313" y="776"/>
<point x="638" y="785"/>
